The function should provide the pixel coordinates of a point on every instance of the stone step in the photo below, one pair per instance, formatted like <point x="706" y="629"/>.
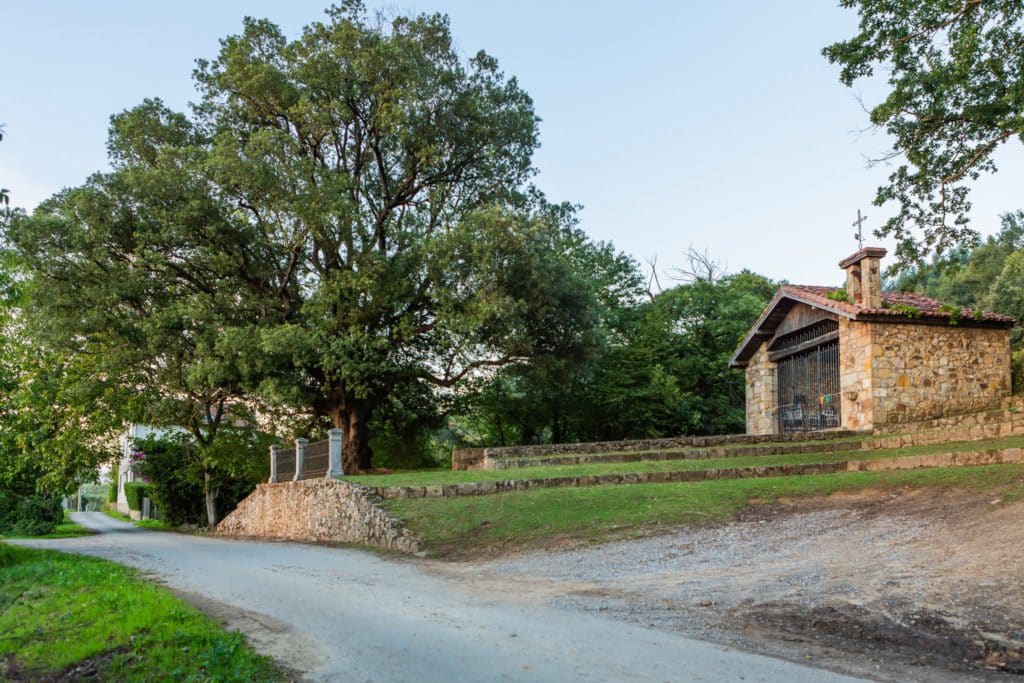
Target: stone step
<point x="822" y="446"/>
<point x="475" y="458"/>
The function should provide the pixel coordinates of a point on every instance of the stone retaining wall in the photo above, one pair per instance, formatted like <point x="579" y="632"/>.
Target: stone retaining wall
<point x="997" y="456"/>
<point x="317" y="510"/>
<point x="1010" y="409"/>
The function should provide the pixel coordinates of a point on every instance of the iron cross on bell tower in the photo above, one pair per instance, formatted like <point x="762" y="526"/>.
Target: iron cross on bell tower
<point x="859" y="235"/>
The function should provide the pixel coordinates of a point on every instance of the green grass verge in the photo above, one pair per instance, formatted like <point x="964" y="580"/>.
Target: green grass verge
<point x="474" y="525"/>
<point x="66" y="529"/>
<point x="435" y="477"/>
<point x="114" y="514"/>
<point x="58" y="611"/>
<point x="155" y="524"/>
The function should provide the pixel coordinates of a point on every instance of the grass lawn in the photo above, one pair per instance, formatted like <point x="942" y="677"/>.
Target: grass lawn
<point x="474" y="525"/>
<point x="66" y="529"/>
<point x="60" y="612"/>
<point x="435" y="477"/>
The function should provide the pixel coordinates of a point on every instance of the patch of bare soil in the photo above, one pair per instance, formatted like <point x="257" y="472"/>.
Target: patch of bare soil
<point x="906" y="585"/>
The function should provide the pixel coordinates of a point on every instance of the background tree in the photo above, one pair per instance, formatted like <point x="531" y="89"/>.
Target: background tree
<point x="661" y="370"/>
<point x="956" y="95"/>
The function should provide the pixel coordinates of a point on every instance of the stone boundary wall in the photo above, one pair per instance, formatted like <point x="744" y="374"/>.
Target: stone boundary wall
<point x="678" y="443"/>
<point x="317" y="510"/>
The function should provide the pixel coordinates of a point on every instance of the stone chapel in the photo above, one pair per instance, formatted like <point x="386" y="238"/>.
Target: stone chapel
<point x="862" y="358"/>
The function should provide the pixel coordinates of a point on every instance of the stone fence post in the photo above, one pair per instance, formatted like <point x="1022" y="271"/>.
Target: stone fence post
<point x="273" y="463"/>
<point x="300" y="457"/>
<point x="334" y="469"/>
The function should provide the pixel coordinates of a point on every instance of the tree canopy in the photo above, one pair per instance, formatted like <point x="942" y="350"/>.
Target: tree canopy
<point x="956" y="95"/>
<point x="341" y="217"/>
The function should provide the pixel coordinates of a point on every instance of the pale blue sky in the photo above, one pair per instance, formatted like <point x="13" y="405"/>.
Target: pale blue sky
<point x="712" y="124"/>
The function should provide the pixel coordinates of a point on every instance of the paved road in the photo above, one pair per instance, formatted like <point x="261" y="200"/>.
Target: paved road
<point x="339" y="614"/>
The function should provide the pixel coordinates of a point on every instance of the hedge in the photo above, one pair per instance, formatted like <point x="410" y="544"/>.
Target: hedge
<point x="135" y="492"/>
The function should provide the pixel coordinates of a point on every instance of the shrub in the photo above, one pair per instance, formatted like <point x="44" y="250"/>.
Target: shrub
<point x="135" y="492"/>
<point x="114" y="476"/>
<point x="32" y="515"/>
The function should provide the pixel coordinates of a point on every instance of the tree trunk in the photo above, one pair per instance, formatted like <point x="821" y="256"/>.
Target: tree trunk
<point x="356" y="455"/>
<point x="210" y="495"/>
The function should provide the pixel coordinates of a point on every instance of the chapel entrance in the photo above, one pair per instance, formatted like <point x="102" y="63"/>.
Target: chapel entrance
<point x="808" y="382"/>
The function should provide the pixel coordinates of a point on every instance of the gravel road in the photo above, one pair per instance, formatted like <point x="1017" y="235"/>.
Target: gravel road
<point x="901" y="586"/>
<point x="338" y="614"/>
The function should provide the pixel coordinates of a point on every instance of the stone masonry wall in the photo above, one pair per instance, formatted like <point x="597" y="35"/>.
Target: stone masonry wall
<point x="930" y="371"/>
<point x="855" y="374"/>
<point x="317" y="510"/>
<point x="761" y="394"/>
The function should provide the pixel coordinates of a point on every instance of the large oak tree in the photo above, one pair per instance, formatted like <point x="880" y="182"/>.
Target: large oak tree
<point x="343" y="216"/>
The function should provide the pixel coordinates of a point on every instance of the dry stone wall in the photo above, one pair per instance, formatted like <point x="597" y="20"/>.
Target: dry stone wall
<point x="317" y="510"/>
<point x="929" y="371"/>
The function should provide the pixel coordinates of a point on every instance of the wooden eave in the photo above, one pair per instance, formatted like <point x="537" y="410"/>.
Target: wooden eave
<point x="773" y="314"/>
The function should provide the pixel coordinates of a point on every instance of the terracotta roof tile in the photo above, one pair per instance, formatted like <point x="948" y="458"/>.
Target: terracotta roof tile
<point x="892" y="302"/>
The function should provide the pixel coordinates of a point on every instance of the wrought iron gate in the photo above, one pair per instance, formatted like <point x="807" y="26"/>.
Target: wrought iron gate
<point x="809" y="390"/>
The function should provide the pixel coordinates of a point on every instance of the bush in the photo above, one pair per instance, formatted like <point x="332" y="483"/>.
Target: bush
<point x="33" y="515"/>
<point x="135" y="492"/>
<point x="114" y="476"/>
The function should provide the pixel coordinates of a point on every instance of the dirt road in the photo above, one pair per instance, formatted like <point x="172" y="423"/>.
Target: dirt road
<point x="338" y="614"/>
<point x="910" y="585"/>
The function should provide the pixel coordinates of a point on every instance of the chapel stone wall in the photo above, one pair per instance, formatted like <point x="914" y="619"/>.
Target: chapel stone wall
<point x="855" y="342"/>
<point x="921" y="372"/>
<point x="761" y="394"/>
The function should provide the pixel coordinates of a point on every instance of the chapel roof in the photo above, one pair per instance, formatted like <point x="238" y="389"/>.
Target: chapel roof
<point x="905" y="307"/>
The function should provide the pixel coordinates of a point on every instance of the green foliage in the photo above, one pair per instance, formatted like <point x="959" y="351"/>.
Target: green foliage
<point x="61" y="610"/>
<point x="29" y="515"/>
<point x="135" y="491"/>
<point x="344" y="221"/>
<point x="908" y="310"/>
<point x="180" y="472"/>
<point x="661" y="370"/>
<point x="840" y="295"/>
<point x="954" y="311"/>
<point x="956" y="96"/>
